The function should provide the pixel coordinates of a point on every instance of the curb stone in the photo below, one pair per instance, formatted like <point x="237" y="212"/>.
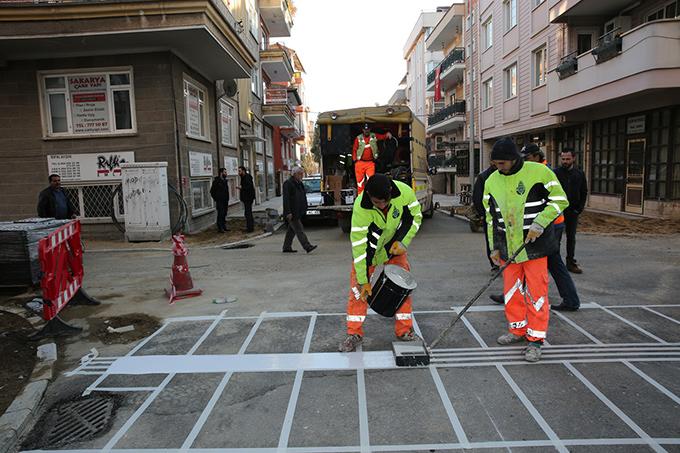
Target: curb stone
<point x="22" y="413"/>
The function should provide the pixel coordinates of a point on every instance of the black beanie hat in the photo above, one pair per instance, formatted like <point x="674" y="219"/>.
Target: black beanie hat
<point x="379" y="186"/>
<point x="531" y="148"/>
<point x="505" y="149"/>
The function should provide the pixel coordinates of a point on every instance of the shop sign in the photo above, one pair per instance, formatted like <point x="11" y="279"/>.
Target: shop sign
<point x="89" y="167"/>
<point x="200" y="164"/>
<point x="635" y="125"/>
<point x="89" y="106"/>
<point x="231" y="164"/>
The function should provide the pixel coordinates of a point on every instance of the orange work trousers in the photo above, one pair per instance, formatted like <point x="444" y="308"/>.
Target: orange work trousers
<point x="363" y="169"/>
<point x="357" y="308"/>
<point x="526" y="298"/>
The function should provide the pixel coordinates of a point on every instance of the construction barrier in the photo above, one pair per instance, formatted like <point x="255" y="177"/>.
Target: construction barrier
<point x="61" y="262"/>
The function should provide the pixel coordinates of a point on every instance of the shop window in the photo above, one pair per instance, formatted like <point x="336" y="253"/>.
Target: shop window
<point x="88" y="103"/>
<point x="196" y="111"/>
<point x="201" y="201"/>
<point x="609" y="148"/>
<point x="93" y="202"/>
<point x="674" y="164"/>
<point x="657" y="155"/>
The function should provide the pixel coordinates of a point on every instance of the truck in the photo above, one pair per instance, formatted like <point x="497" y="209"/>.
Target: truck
<point x="403" y="157"/>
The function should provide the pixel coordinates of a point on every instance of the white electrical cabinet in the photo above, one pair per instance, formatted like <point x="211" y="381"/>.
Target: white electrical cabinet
<point x="145" y="201"/>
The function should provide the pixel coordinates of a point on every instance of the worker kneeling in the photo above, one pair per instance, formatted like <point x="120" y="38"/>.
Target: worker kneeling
<point x="521" y="200"/>
<point x="385" y="218"/>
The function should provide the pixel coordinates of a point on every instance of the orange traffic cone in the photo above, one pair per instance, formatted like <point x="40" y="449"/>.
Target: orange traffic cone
<point x="181" y="284"/>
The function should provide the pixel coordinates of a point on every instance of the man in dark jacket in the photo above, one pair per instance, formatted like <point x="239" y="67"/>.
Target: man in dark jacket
<point x="247" y="195"/>
<point x="53" y="201"/>
<point x="574" y="183"/>
<point x="294" y="210"/>
<point x="219" y="191"/>
<point x="477" y="193"/>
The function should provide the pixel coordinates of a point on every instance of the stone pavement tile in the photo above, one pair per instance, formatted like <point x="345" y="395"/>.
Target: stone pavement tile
<point x="657" y="325"/>
<point x="227" y="337"/>
<point x="250" y="412"/>
<point x="176" y="339"/>
<point x="432" y="324"/>
<point x="29" y="398"/>
<point x="487" y="407"/>
<point x="568" y="407"/>
<point x="133" y="380"/>
<point x="653" y="411"/>
<point x="15" y="420"/>
<point x="8" y="440"/>
<point x="607" y="328"/>
<point x="168" y="420"/>
<point x="279" y="335"/>
<point x="404" y="408"/>
<point x="329" y="331"/>
<point x="665" y="373"/>
<point x="327" y="412"/>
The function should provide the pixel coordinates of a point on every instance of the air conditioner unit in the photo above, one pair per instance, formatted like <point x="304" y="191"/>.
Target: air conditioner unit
<point x="620" y="22"/>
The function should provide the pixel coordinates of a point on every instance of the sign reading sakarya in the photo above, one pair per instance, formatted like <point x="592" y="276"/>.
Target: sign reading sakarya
<point x="89" y="167"/>
<point x="200" y="164"/>
<point x="89" y="107"/>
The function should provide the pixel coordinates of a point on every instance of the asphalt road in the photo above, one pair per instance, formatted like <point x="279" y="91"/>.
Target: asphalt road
<point x="264" y="376"/>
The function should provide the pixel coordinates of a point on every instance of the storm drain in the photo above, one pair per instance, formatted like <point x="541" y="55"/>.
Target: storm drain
<point x="78" y="420"/>
<point x="238" y="246"/>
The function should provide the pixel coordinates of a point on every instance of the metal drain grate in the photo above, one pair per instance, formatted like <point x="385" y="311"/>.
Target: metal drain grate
<point x="238" y="246"/>
<point x="78" y="420"/>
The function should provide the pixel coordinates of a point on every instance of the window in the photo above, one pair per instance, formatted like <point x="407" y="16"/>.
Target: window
<point x="253" y="18"/>
<point x="608" y="157"/>
<point x="227" y="123"/>
<point x="584" y="42"/>
<point x="537" y="2"/>
<point x="467" y="23"/>
<point x="510" y="75"/>
<point x="201" y="201"/>
<point x="93" y="202"/>
<point x="667" y="12"/>
<point x="539" y="63"/>
<point x="255" y="84"/>
<point x="195" y="111"/>
<point x="510" y="11"/>
<point x="487" y="33"/>
<point x="269" y="142"/>
<point x="487" y="94"/>
<point x="88" y="103"/>
<point x="259" y="144"/>
<point x="657" y="155"/>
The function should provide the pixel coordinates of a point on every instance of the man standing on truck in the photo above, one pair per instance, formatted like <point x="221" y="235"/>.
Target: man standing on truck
<point x="521" y="200"/>
<point x="385" y="218"/>
<point x="364" y="154"/>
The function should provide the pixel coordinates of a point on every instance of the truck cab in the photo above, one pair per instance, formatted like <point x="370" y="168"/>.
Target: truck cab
<point x="315" y="198"/>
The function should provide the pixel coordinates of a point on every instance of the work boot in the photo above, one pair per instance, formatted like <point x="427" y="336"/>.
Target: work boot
<point x="563" y="307"/>
<point x="573" y="267"/>
<point x="509" y="338"/>
<point x="408" y="336"/>
<point x="533" y="352"/>
<point x="350" y="343"/>
<point x="498" y="298"/>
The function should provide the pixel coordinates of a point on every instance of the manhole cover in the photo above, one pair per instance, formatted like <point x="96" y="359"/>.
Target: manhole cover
<point x="77" y="420"/>
<point x="238" y="246"/>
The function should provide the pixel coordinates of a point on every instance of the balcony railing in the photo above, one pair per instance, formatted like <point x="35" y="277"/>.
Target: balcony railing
<point x="455" y="109"/>
<point x="568" y="65"/>
<point x="608" y="46"/>
<point x="457" y="55"/>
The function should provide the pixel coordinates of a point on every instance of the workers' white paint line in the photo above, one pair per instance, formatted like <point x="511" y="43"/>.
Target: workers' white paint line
<point x="141" y="344"/>
<point x="559" y="354"/>
<point x="364" y="435"/>
<point x="218" y="391"/>
<point x="653" y="382"/>
<point x="450" y="411"/>
<point x="520" y="361"/>
<point x="295" y="393"/>
<point x="601" y="346"/>
<point x="640" y="306"/>
<point x="559" y="445"/>
<point x="662" y="315"/>
<point x="124" y="389"/>
<point x="474" y="333"/>
<point x="203" y="337"/>
<point x="576" y="326"/>
<point x="614" y="408"/>
<point x="632" y="324"/>
<point x="547" y="350"/>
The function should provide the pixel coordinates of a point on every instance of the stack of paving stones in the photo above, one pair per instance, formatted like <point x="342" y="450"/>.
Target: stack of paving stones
<point x="19" y="261"/>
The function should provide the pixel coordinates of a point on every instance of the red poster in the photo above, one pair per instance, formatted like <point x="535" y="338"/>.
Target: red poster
<point x="437" y="85"/>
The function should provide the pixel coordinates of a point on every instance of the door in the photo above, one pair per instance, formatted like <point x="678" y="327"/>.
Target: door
<point x="635" y="176"/>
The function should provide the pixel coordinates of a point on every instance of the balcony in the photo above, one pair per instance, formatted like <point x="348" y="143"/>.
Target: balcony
<point x="276" y="64"/>
<point x="276" y="109"/>
<point x="585" y="12"/>
<point x="446" y="119"/>
<point x="276" y="15"/>
<point x="632" y="64"/>
<point x="451" y="70"/>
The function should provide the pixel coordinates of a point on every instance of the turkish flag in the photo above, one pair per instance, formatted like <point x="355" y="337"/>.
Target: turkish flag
<point x="437" y="85"/>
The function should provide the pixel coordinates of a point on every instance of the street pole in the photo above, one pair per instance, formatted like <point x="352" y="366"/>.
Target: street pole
<point x="471" y="158"/>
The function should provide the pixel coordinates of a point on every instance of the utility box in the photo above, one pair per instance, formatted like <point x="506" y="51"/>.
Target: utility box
<point x="145" y="200"/>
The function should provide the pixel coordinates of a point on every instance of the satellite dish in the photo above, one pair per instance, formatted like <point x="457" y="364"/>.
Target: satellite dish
<point x="230" y="87"/>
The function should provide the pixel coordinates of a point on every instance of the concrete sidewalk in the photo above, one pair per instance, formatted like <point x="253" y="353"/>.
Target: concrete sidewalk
<point x="236" y="210"/>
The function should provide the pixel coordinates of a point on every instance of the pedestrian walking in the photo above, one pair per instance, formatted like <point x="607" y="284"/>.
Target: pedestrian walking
<point x="574" y="183"/>
<point x="294" y="210"/>
<point x="365" y="153"/>
<point x="477" y="193"/>
<point x="53" y="201"/>
<point x="385" y="218"/>
<point x="556" y="267"/>
<point x="219" y="191"/>
<point x="521" y="200"/>
<point x="247" y="196"/>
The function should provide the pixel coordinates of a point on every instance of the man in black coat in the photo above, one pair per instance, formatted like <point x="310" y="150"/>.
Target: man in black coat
<point x="294" y="210"/>
<point x="574" y="183"/>
<point x="247" y="196"/>
<point x="477" y="193"/>
<point x="53" y="201"/>
<point x="219" y="191"/>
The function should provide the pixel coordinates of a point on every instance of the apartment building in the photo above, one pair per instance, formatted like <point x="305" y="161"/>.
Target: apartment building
<point x="446" y="123"/>
<point x="87" y="85"/>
